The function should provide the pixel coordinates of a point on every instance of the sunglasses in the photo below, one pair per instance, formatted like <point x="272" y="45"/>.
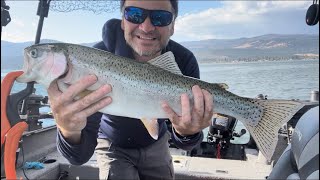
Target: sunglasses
<point x="138" y="15"/>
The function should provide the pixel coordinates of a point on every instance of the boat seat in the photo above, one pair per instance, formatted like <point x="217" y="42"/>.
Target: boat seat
<point x="300" y="160"/>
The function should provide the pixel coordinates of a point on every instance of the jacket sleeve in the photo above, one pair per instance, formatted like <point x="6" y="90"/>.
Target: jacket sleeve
<point x="81" y="153"/>
<point x="186" y="143"/>
<point x="191" y="68"/>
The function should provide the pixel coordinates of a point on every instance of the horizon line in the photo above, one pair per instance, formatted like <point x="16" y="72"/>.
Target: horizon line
<point x="311" y="34"/>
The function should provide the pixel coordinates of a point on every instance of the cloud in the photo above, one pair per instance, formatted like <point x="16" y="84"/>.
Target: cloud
<point x="19" y="30"/>
<point x="235" y="19"/>
<point x="34" y="24"/>
<point x="14" y="32"/>
<point x="265" y="6"/>
<point x="13" y="36"/>
<point x="17" y="22"/>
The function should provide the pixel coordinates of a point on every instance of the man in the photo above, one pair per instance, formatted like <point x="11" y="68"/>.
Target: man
<point x="123" y="146"/>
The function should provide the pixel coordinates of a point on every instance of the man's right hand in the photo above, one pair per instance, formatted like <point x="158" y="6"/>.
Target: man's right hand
<point x="71" y="115"/>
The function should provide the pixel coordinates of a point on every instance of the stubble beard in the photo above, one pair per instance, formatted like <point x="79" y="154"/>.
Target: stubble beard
<point x="150" y="53"/>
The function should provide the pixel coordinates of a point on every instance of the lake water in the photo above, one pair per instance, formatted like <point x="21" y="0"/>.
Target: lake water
<point x="277" y="80"/>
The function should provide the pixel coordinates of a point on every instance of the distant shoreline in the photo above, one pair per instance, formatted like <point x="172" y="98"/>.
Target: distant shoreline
<point x="257" y="61"/>
<point x="203" y="62"/>
<point x="225" y="62"/>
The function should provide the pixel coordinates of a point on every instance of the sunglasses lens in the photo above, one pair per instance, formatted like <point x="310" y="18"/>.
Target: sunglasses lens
<point x="138" y="15"/>
<point x="161" y="18"/>
<point x="134" y="15"/>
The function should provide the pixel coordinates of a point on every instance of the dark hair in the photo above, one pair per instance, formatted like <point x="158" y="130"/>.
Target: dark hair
<point x="174" y="4"/>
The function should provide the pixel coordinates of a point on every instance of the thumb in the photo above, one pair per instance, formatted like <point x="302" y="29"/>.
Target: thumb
<point x="53" y="90"/>
<point x="173" y="117"/>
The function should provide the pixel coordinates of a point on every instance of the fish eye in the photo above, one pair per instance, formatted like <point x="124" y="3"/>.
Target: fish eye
<point x="34" y="53"/>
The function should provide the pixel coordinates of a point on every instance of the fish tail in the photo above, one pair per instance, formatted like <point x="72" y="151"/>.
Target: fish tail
<point x="275" y="114"/>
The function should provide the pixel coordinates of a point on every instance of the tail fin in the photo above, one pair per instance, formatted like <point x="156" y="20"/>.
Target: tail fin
<point x="275" y="114"/>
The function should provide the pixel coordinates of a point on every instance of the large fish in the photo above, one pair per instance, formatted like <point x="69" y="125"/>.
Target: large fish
<point x="139" y="88"/>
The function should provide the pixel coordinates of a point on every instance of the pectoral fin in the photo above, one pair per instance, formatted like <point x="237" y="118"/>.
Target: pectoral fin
<point x="64" y="86"/>
<point x="152" y="127"/>
<point x="83" y="94"/>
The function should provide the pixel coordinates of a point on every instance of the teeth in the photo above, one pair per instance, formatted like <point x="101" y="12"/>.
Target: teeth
<point x="147" y="38"/>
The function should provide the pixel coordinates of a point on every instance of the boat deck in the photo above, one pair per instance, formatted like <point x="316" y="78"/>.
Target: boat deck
<point x="186" y="167"/>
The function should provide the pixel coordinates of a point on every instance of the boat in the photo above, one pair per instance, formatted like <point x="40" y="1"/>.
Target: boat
<point x="225" y="153"/>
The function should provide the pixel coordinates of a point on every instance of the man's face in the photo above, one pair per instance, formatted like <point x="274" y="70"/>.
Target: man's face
<point x="146" y="39"/>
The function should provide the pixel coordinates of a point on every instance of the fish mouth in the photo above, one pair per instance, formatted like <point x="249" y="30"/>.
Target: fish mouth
<point x="25" y="66"/>
<point x="23" y="78"/>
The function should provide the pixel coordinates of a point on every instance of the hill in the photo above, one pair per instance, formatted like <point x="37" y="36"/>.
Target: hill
<point x="261" y="48"/>
<point x="266" y="47"/>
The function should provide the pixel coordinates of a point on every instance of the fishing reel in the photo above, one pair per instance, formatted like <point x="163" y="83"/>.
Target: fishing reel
<point x="5" y="15"/>
<point x="312" y="15"/>
<point x="29" y="110"/>
<point x="220" y="129"/>
<point x="221" y="132"/>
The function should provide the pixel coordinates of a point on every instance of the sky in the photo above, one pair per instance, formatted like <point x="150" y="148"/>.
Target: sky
<point x="197" y="20"/>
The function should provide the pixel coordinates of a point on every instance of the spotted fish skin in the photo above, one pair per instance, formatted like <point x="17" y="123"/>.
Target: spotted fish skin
<point x="138" y="89"/>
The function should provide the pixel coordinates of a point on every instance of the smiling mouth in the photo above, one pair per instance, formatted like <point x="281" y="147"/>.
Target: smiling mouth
<point x="146" y="38"/>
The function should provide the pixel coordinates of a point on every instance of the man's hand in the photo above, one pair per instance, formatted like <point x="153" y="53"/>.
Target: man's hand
<point x="71" y="115"/>
<point x="192" y="120"/>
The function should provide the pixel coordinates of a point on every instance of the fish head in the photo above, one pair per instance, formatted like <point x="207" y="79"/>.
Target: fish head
<point x="43" y="63"/>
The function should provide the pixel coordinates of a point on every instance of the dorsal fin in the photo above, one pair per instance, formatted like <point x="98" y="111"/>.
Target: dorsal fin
<point x="167" y="62"/>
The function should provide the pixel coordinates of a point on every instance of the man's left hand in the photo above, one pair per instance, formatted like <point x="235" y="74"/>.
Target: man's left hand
<point x="192" y="120"/>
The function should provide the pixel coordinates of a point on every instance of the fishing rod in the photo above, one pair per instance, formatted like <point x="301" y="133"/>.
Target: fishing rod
<point x="42" y="11"/>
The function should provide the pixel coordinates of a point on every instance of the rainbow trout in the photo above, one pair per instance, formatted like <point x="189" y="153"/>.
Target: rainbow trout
<point x="139" y="88"/>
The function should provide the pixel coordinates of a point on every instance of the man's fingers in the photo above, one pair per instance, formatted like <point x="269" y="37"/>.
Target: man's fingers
<point x="208" y="101"/>
<point x="91" y="98"/>
<point x="96" y="107"/>
<point x="198" y="101"/>
<point x="78" y="87"/>
<point x="53" y="90"/>
<point x="173" y="117"/>
<point x="185" y="108"/>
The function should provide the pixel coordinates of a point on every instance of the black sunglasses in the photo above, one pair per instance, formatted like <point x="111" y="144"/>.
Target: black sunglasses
<point x="138" y="15"/>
